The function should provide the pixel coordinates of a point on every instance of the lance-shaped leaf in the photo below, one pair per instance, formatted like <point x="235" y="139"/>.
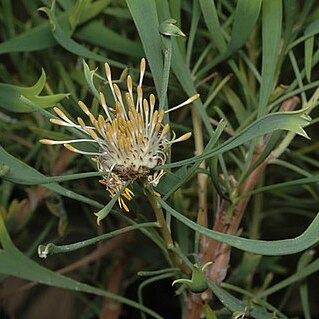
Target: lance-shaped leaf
<point x="263" y="247"/>
<point x="10" y="96"/>
<point x="293" y="121"/>
<point x="21" y="173"/>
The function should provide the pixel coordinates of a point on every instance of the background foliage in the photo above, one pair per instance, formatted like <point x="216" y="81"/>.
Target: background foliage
<point x="254" y="64"/>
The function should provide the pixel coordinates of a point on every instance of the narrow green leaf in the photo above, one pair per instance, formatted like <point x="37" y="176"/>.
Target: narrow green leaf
<point x="176" y="9"/>
<point x="236" y="104"/>
<point x="105" y="211"/>
<point x="36" y="88"/>
<point x="246" y="15"/>
<point x="296" y="182"/>
<point x="196" y="13"/>
<point x="303" y="262"/>
<point x="311" y="30"/>
<point x="237" y="306"/>
<point x="10" y="96"/>
<point x="76" y="12"/>
<point x="182" y="72"/>
<point x="187" y="174"/>
<point x="45" y="101"/>
<point x="93" y="10"/>
<point x="70" y="45"/>
<point x="299" y="275"/>
<point x="10" y="99"/>
<point x="40" y="37"/>
<point x="263" y="247"/>
<point x="52" y="179"/>
<point x="271" y="36"/>
<point x="211" y="19"/>
<point x="98" y="34"/>
<point x="184" y="76"/>
<point x="309" y="46"/>
<point x="22" y="173"/>
<point x="275" y="137"/>
<point x="146" y="21"/>
<point x="291" y="121"/>
<point x="7" y="18"/>
<point x="242" y="27"/>
<point x="291" y="8"/>
<point x="298" y="76"/>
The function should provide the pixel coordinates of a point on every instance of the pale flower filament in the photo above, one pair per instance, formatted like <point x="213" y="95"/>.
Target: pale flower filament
<point x="132" y="139"/>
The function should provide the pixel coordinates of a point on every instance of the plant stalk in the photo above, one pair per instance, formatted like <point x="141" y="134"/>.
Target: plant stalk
<point x="166" y="234"/>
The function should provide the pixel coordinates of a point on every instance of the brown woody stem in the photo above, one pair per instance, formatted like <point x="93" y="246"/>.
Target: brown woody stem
<point x="219" y="253"/>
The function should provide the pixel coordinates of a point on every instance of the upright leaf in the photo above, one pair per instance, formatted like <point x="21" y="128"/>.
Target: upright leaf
<point x="146" y="21"/>
<point x="271" y="35"/>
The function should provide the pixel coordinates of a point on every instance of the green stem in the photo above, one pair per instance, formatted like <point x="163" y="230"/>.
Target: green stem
<point x="159" y="214"/>
<point x="160" y="219"/>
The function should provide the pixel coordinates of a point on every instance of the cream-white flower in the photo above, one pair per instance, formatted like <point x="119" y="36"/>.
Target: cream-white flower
<point x="131" y="137"/>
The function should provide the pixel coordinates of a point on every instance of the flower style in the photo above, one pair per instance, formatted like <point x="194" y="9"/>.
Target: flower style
<point x="131" y="137"/>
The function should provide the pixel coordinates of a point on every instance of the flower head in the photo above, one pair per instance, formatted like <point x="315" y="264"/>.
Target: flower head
<point x="131" y="136"/>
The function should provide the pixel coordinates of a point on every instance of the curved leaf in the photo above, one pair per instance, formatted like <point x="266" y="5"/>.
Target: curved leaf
<point x="10" y="96"/>
<point x="36" y="88"/>
<point x="211" y="19"/>
<point x="296" y="182"/>
<point x="40" y="37"/>
<point x="263" y="247"/>
<point x="237" y="306"/>
<point x="291" y="121"/>
<point x="98" y="34"/>
<point x="146" y="21"/>
<point x="242" y="28"/>
<point x="72" y="46"/>
<point x="271" y="35"/>
<point x="22" y="173"/>
<point x="299" y="275"/>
